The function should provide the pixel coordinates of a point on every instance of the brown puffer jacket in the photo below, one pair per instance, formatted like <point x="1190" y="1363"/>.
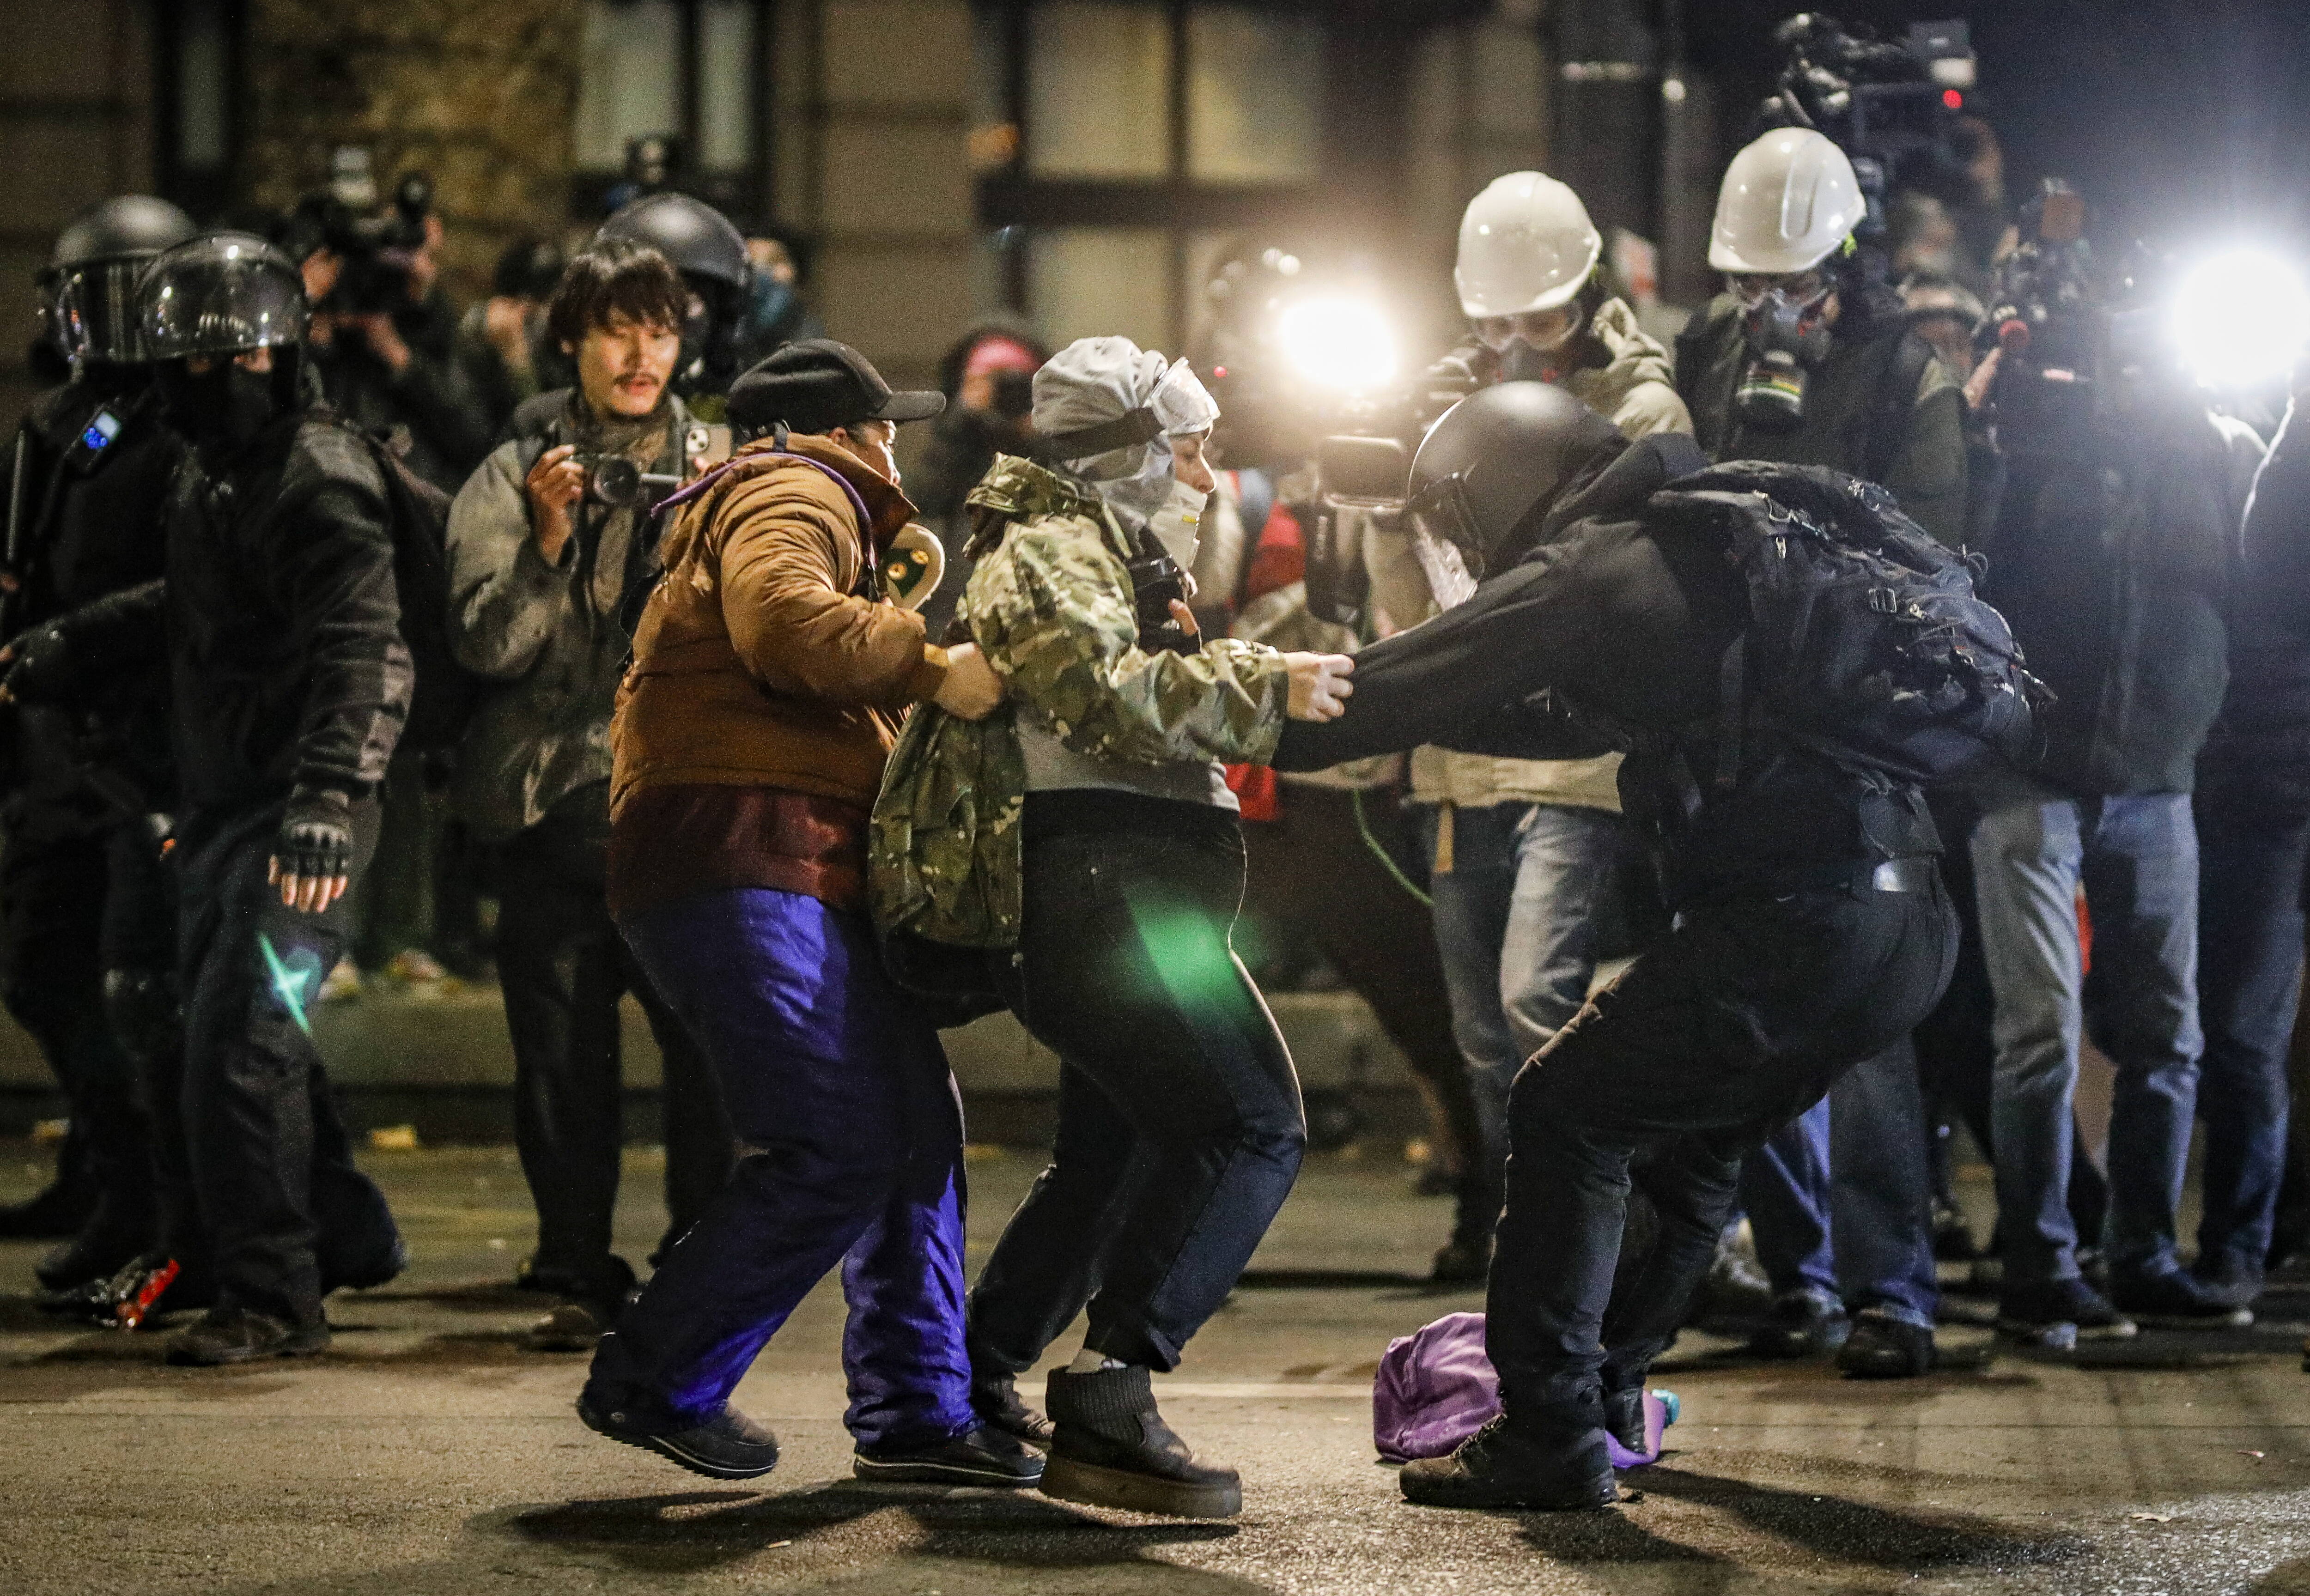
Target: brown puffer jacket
<point x="759" y="660"/>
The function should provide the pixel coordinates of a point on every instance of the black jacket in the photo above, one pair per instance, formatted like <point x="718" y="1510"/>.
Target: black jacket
<point x="92" y="525"/>
<point x="281" y="622"/>
<point x="433" y="401"/>
<point x="2265" y="717"/>
<point x="2112" y="561"/>
<point x="1626" y="624"/>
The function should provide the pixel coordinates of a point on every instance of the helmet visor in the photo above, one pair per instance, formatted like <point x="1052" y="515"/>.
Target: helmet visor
<point x="220" y="299"/>
<point x="1445" y="539"/>
<point x="96" y="312"/>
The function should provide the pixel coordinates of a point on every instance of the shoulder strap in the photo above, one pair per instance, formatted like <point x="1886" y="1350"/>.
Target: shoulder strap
<point x="1896" y="402"/>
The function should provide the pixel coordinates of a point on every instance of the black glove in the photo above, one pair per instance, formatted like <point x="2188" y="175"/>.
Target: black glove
<point x="41" y="671"/>
<point x="315" y="841"/>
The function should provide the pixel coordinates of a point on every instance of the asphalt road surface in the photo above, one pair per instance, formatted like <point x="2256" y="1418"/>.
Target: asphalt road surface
<point x="427" y="1453"/>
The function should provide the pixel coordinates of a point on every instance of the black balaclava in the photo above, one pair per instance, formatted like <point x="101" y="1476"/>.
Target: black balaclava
<point x="225" y="408"/>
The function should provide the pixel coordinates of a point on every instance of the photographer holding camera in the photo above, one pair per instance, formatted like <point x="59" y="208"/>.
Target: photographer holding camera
<point x="544" y="544"/>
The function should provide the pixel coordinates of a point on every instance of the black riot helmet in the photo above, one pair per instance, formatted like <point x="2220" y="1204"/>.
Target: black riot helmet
<point x="91" y="281"/>
<point x="698" y="239"/>
<point x="219" y="294"/>
<point x="1492" y="464"/>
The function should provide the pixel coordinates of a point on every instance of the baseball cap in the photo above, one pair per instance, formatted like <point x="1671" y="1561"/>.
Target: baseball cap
<point x="817" y="385"/>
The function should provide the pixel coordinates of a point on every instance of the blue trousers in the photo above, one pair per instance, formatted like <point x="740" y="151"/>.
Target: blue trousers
<point x="1841" y="1198"/>
<point x="2253" y="856"/>
<point x="2137" y="858"/>
<point x="850" y="1134"/>
<point x="1518" y="917"/>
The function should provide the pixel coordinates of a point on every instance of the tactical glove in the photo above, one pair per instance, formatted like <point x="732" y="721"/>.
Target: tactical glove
<point x="315" y="841"/>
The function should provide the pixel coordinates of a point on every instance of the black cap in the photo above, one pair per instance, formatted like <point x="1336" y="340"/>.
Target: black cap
<point x="818" y="385"/>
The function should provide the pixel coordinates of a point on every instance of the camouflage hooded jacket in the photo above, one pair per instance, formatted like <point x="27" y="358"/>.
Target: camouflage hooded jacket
<point x="1050" y="606"/>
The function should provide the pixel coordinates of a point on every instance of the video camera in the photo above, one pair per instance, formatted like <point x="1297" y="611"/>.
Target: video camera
<point x="1892" y="107"/>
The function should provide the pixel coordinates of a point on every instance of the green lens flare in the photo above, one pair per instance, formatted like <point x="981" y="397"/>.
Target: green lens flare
<point x="288" y="985"/>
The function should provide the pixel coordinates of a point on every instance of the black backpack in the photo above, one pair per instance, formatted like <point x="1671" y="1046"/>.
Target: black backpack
<point x="446" y="691"/>
<point x="1865" y="639"/>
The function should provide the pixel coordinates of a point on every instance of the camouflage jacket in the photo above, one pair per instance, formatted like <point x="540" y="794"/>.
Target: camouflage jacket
<point x="1051" y="608"/>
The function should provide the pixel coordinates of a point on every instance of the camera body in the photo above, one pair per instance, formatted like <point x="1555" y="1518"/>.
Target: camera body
<point x="1891" y="105"/>
<point x="377" y="249"/>
<point x="1156" y="580"/>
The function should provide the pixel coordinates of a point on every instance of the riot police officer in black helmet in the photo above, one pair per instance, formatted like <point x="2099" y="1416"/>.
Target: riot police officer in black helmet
<point x="87" y="486"/>
<point x="710" y="254"/>
<point x="290" y="684"/>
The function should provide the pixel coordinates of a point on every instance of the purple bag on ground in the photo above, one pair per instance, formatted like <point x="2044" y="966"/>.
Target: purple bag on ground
<point x="1436" y="1388"/>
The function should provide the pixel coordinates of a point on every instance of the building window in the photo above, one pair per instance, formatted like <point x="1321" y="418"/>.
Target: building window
<point x="693" y="73"/>
<point x="1121" y="136"/>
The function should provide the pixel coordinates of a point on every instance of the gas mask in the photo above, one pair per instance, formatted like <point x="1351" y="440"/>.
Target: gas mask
<point x="1785" y="336"/>
<point x="1532" y="347"/>
<point x="1175" y="523"/>
<point x="224" y="408"/>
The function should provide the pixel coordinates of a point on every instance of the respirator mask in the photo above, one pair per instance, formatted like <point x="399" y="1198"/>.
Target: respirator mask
<point x="1786" y="333"/>
<point x="225" y="407"/>
<point x="1531" y="346"/>
<point x="1177" y="522"/>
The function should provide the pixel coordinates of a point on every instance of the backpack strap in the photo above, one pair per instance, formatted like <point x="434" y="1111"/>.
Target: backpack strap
<point x="1732" y="695"/>
<point x="1896" y="400"/>
<point x="868" y="568"/>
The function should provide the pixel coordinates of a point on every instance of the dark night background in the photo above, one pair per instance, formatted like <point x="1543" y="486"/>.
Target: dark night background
<point x="2187" y="118"/>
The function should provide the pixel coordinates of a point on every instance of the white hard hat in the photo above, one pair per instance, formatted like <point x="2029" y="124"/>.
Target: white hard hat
<point x="1525" y="243"/>
<point x="1788" y="201"/>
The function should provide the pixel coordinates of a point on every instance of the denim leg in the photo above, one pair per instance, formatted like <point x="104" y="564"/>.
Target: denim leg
<point x="1785" y="1186"/>
<point x="2141" y="884"/>
<point x="816" y="1050"/>
<point x="1473" y="902"/>
<point x="2254" y="849"/>
<point x="1882" y="1188"/>
<point x="2026" y="862"/>
<point x="1566" y="866"/>
<point x="903" y="1345"/>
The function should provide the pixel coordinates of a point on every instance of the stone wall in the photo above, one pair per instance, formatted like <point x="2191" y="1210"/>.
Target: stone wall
<point x="479" y="95"/>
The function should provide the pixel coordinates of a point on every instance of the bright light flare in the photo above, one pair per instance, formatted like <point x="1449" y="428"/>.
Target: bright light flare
<point x="1339" y="343"/>
<point x="2242" y="319"/>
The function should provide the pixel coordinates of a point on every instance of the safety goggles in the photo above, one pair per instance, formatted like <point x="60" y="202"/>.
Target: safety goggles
<point x="1802" y="287"/>
<point x="1543" y="329"/>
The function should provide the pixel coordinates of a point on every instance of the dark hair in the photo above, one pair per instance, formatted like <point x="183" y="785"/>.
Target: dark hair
<point x="613" y="277"/>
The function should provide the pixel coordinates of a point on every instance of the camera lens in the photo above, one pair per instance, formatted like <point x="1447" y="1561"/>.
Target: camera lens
<point x="615" y="482"/>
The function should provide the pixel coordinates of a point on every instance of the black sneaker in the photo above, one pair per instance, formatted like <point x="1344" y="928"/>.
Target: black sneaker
<point x="1110" y="1448"/>
<point x="1463" y="1260"/>
<point x="995" y="1399"/>
<point x="1883" y="1347"/>
<point x="228" y="1335"/>
<point x="1735" y="1291"/>
<point x="727" y="1447"/>
<point x="1500" y="1467"/>
<point x="2057" y="1315"/>
<point x="983" y="1456"/>
<point x="1803" y="1324"/>
<point x="572" y="1327"/>
<point x="382" y="1263"/>
<point x="2229" y="1279"/>
<point x="2173" y="1301"/>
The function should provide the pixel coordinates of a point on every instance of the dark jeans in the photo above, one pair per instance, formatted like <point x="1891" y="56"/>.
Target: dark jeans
<point x="839" y="1090"/>
<point x="281" y="1205"/>
<point x="1311" y="873"/>
<point x="1841" y="1197"/>
<point x="2254" y="853"/>
<point x="1180" y="1130"/>
<point x="1746" y="1012"/>
<point x="563" y="968"/>
<point x="53" y="892"/>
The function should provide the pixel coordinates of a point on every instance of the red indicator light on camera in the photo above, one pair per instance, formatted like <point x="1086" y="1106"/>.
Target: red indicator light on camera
<point x="1954" y="99"/>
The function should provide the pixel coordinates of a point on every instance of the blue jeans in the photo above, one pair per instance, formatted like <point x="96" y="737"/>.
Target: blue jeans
<point x="1517" y="920"/>
<point x="1841" y="1198"/>
<point x="2253" y="842"/>
<point x="851" y="1137"/>
<point x="2137" y="858"/>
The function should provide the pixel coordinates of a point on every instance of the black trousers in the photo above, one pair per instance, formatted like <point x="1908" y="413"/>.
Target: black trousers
<point x="54" y="894"/>
<point x="1180" y="1129"/>
<point x="563" y="968"/>
<point x="283" y="1212"/>
<point x="1739" y="1020"/>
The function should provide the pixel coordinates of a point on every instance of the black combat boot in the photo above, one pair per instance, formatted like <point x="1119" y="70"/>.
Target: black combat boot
<point x="1112" y="1449"/>
<point x="1501" y="1465"/>
<point x="994" y="1398"/>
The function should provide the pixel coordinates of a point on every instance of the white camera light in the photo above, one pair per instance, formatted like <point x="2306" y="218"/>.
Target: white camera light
<point x="1338" y="342"/>
<point x="2241" y="319"/>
